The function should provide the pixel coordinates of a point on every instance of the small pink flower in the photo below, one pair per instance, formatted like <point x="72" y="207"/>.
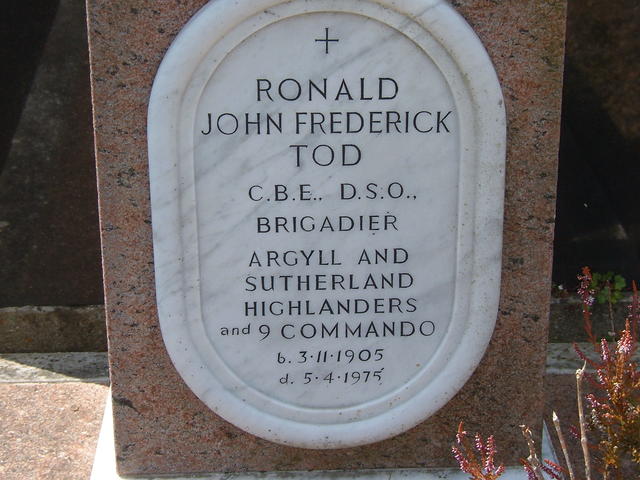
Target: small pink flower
<point x="625" y="344"/>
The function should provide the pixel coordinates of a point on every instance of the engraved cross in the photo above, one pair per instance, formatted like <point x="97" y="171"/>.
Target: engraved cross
<point x="326" y="40"/>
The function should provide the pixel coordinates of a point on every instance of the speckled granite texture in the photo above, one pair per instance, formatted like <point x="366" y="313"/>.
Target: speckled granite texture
<point x="160" y="426"/>
<point x="49" y="430"/>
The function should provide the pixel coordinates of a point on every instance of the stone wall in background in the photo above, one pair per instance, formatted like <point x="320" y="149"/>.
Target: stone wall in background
<point x="52" y="329"/>
<point x="49" y="238"/>
<point x="24" y="27"/>
<point x="598" y="221"/>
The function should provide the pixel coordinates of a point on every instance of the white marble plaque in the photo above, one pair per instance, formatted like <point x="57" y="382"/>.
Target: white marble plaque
<point x="327" y="185"/>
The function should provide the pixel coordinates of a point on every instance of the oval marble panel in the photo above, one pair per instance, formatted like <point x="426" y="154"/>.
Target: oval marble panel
<point x="326" y="185"/>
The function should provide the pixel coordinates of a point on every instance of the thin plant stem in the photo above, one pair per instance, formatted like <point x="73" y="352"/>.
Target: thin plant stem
<point x="583" y="425"/>
<point x="563" y="445"/>
<point x="610" y="302"/>
<point x="533" y="459"/>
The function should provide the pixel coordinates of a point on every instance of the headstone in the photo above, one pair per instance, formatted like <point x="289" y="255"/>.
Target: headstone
<point x="326" y="205"/>
<point x="326" y="186"/>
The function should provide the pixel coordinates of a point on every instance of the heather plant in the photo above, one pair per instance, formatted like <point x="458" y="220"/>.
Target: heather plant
<point x="604" y="289"/>
<point x="478" y="459"/>
<point x="614" y="405"/>
<point x="613" y="408"/>
<point x="536" y="469"/>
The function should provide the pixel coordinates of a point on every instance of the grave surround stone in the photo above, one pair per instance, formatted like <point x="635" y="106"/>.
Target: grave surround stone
<point x="160" y="425"/>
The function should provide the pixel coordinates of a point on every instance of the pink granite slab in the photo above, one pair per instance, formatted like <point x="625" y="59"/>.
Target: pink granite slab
<point x="49" y="430"/>
<point x="160" y="426"/>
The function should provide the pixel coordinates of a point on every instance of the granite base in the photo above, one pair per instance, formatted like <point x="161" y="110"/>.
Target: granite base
<point x="104" y="466"/>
